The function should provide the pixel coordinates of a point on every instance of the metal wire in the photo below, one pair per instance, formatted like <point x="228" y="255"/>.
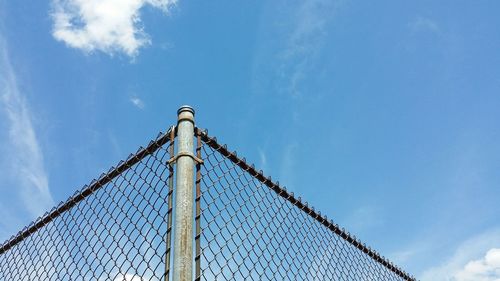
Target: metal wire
<point x="253" y="229"/>
<point x="114" y="229"/>
<point x="246" y="227"/>
<point x="197" y="269"/>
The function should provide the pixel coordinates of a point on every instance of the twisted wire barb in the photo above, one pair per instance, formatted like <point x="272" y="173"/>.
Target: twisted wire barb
<point x="122" y="223"/>
<point x="298" y="203"/>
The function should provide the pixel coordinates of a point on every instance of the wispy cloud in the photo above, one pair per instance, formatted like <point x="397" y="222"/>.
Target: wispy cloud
<point x="262" y="159"/>
<point x="109" y="26"/>
<point x="288" y="165"/>
<point x="424" y="24"/>
<point x="137" y="102"/>
<point x="304" y="41"/>
<point x="24" y="157"/>
<point x="469" y="262"/>
<point x="364" y="218"/>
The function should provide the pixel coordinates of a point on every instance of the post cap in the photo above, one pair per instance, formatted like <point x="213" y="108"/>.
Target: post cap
<point x="185" y="108"/>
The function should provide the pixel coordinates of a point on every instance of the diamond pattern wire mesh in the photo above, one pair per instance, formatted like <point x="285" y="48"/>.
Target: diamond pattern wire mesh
<point x="247" y="228"/>
<point x="254" y="230"/>
<point x="114" y="229"/>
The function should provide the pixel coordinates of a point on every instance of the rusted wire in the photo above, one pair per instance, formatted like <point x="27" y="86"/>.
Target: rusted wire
<point x="80" y="195"/>
<point x="198" y="210"/>
<point x="233" y="191"/>
<point x="113" y="229"/>
<point x="168" y="243"/>
<point x="246" y="227"/>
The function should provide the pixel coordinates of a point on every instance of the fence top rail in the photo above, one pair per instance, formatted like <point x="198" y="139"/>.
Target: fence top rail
<point x="88" y="190"/>
<point x="297" y="201"/>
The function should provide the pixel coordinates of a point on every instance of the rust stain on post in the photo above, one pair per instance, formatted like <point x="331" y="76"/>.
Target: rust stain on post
<point x="183" y="228"/>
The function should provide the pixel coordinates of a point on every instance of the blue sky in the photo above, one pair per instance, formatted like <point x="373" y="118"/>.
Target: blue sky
<point x="384" y="116"/>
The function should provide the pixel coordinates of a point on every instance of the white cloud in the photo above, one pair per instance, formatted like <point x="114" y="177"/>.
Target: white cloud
<point x="469" y="261"/>
<point x="24" y="157"/>
<point x="129" y="277"/>
<point x="106" y="25"/>
<point x="137" y="102"/>
<point x="485" y="269"/>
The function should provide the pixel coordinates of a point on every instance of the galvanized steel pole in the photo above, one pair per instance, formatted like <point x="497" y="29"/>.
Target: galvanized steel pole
<point x="184" y="197"/>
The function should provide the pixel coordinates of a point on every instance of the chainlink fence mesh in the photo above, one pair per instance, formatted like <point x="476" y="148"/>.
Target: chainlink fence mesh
<point x="247" y="228"/>
<point x="112" y="231"/>
<point x="252" y="229"/>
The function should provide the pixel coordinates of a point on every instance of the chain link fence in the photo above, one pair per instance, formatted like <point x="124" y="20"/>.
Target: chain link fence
<point x="253" y="229"/>
<point x="246" y="228"/>
<point x="114" y="229"/>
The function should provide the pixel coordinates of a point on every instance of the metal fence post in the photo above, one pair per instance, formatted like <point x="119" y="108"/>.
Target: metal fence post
<point x="184" y="196"/>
